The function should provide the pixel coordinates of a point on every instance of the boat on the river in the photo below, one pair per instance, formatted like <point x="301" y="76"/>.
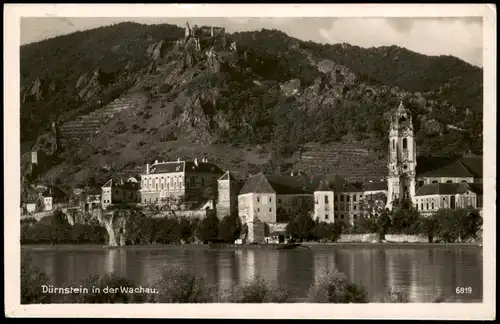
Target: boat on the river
<point x="288" y="246"/>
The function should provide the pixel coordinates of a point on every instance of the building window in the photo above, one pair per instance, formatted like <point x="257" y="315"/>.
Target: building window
<point x="434" y="181"/>
<point x="258" y="210"/>
<point x="421" y="206"/>
<point x="342" y="216"/>
<point x="449" y="181"/>
<point x="335" y="198"/>
<point x="335" y="207"/>
<point x="355" y="216"/>
<point x="354" y="207"/>
<point x="270" y="199"/>
<point x="348" y="198"/>
<point x="427" y="207"/>
<point x="432" y="205"/>
<point x="336" y="216"/>
<point x="289" y="210"/>
<point x="354" y="198"/>
<point x="326" y="199"/>
<point x="202" y="182"/>
<point x="405" y="143"/>
<point x="341" y="197"/>
<point x="463" y="181"/>
<point x="270" y="209"/>
<point x="326" y="216"/>
<point x="393" y="144"/>
<point x="279" y="201"/>
<point x="258" y="198"/>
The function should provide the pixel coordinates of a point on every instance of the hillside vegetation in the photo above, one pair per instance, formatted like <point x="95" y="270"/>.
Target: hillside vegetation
<point x="250" y="107"/>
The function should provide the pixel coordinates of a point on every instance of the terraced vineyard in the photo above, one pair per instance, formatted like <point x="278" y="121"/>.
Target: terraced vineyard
<point x="349" y="161"/>
<point x="86" y="126"/>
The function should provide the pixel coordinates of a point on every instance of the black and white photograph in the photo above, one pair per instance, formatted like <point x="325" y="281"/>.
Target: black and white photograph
<point x="177" y="154"/>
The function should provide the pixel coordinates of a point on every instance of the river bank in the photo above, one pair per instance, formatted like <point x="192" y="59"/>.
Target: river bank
<point x="310" y="245"/>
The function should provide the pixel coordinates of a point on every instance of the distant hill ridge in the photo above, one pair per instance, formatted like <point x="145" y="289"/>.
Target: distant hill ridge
<point x="260" y="92"/>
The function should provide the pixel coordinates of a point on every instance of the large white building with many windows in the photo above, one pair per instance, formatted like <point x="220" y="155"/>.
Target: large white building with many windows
<point x="186" y="179"/>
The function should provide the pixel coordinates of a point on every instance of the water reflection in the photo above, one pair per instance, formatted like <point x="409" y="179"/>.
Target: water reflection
<point x="424" y="273"/>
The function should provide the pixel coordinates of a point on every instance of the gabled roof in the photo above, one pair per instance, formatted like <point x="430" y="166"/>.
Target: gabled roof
<point x="375" y="186"/>
<point x="228" y="176"/>
<point x="448" y="189"/>
<point x="469" y="166"/>
<point x="474" y="164"/>
<point x="257" y="184"/>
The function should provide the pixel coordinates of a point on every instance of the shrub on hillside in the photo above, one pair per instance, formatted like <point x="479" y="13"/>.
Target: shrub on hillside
<point x="257" y="290"/>
<point x="334" y="287"/>
<point x="178" y="285"/>
<point x="32" y="280"/>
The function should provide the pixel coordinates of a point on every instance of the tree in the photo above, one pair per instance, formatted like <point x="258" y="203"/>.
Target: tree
<point x="405" y="221"/>
<point x="301" y="225"/>
<point x="210" y="228"/>
<point x="230" y="228"/>
<point x="429" y="226"/>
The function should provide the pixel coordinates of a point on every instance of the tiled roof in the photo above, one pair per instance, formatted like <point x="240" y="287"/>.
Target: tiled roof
<point x="448" y="189"/>
<point x="375" y="186"/>
<point x="465" y="167"/>
<point x="337" y="183"/>
<point x="474" y="187"/>
<point x="290" y="184"/>
<point x="474" y="164"/>
<point x="257" y="184"/>
<point x="283" y="185"/>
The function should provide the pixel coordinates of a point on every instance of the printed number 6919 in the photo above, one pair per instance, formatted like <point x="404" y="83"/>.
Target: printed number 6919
<point x="463" y="290"/>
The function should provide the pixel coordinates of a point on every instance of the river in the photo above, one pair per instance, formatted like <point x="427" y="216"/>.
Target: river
<point x="423" y="272"/>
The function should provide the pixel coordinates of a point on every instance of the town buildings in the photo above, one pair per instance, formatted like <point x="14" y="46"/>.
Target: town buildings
<point x="119" y="191"/>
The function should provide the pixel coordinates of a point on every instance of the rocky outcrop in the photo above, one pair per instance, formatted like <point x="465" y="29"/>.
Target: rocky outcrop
<point x="38" y="90"/>
<point x="193" y="122"/>
<point x="90" y="87"/>
<point x="115" y="224"/>
<point x="291" y="88"/>
<point x="159" y="51"/>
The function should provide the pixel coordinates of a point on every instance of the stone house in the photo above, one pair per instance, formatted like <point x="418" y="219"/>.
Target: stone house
<point x="263" y="196"/>
<point x="118" y="191"/>
<point x="337" y="200"/>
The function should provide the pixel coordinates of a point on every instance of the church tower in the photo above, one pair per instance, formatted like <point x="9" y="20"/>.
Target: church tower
<point x="402" y="158"/>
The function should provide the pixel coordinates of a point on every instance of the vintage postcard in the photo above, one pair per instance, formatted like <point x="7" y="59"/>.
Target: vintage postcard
<point x="281" y="158"/>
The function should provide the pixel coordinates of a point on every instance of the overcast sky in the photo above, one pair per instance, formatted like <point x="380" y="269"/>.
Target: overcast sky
<point x="460" y="37"/>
